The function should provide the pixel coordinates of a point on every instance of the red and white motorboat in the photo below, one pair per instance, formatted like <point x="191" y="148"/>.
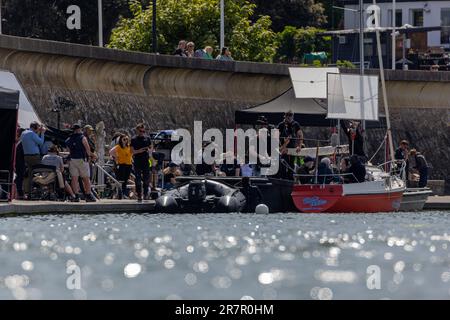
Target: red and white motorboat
<point x="365" y="197"/>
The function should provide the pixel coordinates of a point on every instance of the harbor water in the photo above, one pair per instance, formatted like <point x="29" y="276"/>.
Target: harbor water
<point x="226" y="256"/>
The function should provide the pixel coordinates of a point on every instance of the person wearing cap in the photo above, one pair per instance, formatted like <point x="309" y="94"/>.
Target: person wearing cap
<point x="32" y="140"/>
<point x="88" y="131"/>
<point x="291" y="136"/>
<point x="80" y="154"/>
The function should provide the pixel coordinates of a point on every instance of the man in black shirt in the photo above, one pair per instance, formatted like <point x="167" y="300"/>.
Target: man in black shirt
<point x="357" y="170"/>
<point x="291" y="136"/>
<point x="140" y="147"/>
<point x="354" y="132"/>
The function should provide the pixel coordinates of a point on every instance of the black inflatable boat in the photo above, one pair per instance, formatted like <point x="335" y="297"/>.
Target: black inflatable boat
<point x="199" y="196"/>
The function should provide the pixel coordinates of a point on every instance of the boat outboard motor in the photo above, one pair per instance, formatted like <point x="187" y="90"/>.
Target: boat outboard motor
<point x="166" y="204"/>
<point x="196" y="191"/>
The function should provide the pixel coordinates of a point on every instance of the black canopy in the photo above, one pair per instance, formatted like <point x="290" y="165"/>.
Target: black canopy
<point x="307" y="112"/>
<point x="9" y="106"/>
<point x="9" y="99"/>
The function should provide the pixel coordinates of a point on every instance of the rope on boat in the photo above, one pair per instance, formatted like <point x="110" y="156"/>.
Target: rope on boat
<point x="379" y="148"/>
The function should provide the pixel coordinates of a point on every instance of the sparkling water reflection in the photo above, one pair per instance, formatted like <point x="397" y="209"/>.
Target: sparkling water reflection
<point x="281" y="256"/>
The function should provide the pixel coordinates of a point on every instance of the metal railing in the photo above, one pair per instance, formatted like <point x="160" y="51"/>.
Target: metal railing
<point x="316" y="177"/>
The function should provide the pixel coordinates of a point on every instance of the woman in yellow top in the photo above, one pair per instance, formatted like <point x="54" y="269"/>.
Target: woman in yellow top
<point x="122" y="156"/>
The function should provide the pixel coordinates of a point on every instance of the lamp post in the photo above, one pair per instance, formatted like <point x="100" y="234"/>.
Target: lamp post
<point x="222" y="24"/>
<point x="100" y="23"/>
<point x="1" y="4"/>
<point x="154" y="36"/>
<point x="393" y="33"/>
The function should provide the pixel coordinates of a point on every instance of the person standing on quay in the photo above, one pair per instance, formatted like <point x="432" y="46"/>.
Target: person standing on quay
<point x="140" y="148"/>
<point x="80" y="154"/>
<point x="122" y="155"/>
<point x="421" y="165"/>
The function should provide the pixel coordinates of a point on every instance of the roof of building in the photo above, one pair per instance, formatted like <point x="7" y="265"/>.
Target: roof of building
<point x="353" y="2"/>
<point x="404" y="29"/>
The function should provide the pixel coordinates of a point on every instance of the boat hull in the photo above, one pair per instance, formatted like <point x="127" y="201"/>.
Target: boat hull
<point x="334" y="199"/>
<point x="414" y="199"/>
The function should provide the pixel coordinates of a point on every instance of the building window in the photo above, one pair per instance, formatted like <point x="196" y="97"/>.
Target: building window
<point x="445" y="24"/>
<point x="417" y="17"/>
<point x="398" y="18"/>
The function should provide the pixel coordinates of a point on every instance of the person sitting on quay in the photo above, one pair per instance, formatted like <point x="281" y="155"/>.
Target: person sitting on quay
<point x="170" y="174"/>
<point x="190" y="51"/>
<point x="230" y="170"/>
<point x="123" y="158"/>
<point x="225" y="55"/>
<point x="421" y="166"/>
<point x="181" y="49"/>
<point x="54" y="159"/>
<point x="205" y="53"/>
<point x="80" y="154"/>
<point x="32" y="140"/>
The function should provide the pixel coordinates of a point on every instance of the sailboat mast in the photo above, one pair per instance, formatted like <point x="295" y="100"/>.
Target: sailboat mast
<point x="361" y="63"/>
<point x="361" y="37"/>
<point x="383" y="86"/>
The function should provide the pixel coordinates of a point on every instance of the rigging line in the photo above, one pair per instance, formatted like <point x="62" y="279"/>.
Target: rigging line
<point x="379" y="148"/>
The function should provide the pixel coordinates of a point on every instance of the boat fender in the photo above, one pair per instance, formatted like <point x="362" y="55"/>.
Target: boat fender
<point x="261" y="209"/>
<point x="227" y="204"/>
<point x="166" y="204"/>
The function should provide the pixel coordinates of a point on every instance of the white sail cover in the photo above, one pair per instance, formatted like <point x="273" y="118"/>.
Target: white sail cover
<point x="310" y="82"/>
<point x="26" y="110"/>
<point x="352" y="96"/>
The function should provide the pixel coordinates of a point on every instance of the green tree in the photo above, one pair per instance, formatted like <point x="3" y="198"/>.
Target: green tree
<point x="46" y="19"/>
<point x="197" y="21"/>
<point x="297" y="13"/>
<point x="294" y="43"/>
